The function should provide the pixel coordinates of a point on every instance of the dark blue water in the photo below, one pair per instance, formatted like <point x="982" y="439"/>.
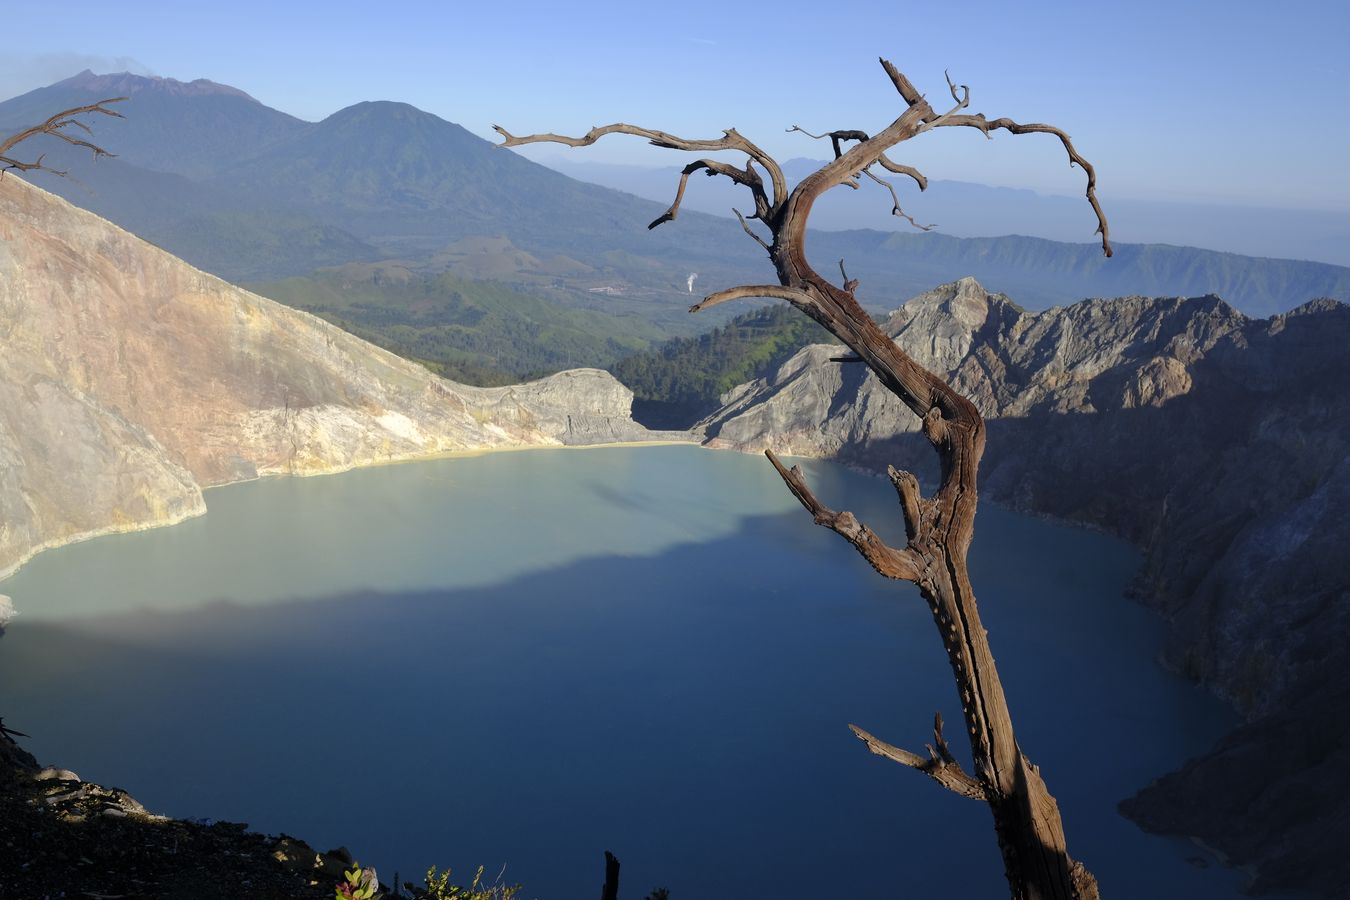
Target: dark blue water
<point x="526" y="659"/>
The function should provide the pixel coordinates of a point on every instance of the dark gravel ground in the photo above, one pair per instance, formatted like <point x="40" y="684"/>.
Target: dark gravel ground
<point x="61" y="837"/>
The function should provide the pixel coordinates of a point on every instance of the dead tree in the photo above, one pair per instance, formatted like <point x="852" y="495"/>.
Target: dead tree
<point x="59" y="126"/>
<point x="939" y="528"/>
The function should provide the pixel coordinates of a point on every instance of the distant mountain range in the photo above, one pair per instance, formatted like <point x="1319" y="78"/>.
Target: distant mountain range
<point x="251" y="193"/>
<point x="966" y="209"/>
<point x="228" y="184"/>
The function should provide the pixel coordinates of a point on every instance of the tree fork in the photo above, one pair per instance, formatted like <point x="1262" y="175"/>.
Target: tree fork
<point x="938" y="529"/>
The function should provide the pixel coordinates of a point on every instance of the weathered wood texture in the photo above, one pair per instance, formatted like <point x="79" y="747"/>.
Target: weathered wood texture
<point x="939" y="528"/>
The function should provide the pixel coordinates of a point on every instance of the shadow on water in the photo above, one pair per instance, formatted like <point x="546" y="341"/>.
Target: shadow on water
<point x="686" y="709"/>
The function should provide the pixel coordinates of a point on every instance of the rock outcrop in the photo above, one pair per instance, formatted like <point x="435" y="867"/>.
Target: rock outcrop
<point x="130" y="380"/>
<point x="65" y="837"/>
<point x="1217" y="443"/>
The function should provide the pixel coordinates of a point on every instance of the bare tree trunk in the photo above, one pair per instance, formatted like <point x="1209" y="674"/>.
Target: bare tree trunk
<point x="939" y="528"/>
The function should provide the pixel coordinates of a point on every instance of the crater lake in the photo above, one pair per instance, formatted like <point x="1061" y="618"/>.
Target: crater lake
<point x="525" y="659"/>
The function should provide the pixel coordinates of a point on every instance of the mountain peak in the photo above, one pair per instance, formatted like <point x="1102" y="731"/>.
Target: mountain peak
<point x="127" y="84"/>
<point x="1316" y="305"/>
<point x="964" y="301"/>
<point x="380" y="110"/>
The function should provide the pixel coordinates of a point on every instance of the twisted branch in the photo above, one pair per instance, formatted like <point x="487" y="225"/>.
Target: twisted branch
<point x="945" y="772"/>
<point x="962" y="99"/>
<point x="746" y="226"/>
<point x="731" y="140"/>
<point x="912" y="97"/>
<point x="901" y="169"/>
<point x="850" y="284"/>
<point x="57" y="127"/>
<point x="903" y="565"/>
<point x="979" y="122"/>
<point x="747" y="177"/>
<point x="834" y="136"/>
<point x="799" y="299"/>
<point x="895" y="201"/>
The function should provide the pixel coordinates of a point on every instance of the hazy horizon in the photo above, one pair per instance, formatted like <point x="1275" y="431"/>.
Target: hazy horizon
<point x="1163" y="98"/>
<point x="958" y="207"/>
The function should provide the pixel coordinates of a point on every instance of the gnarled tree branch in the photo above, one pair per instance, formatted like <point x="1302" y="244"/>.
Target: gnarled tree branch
<point x="939" y="528"/>
<point x="731" y="140"/>
<point x="746" y="226"/>
<point x="836" y="139"/>
<point x="978" y="121"/>
<point x="747" y="177"/>
<point x="58" y="126"/>
<point x="905" y="565"/>
<point x="946" y="772"/>
<point x="901" y="169"/>
<point x="799" y="299"/>
<point x="895" y="201"/>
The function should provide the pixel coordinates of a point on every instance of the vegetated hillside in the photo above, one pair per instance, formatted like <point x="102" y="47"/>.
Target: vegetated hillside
<point x="411" y="182"/>
<point x="383" y="173"/>
<point x="682" y="380"/>
<point x="1219" y="444"/>
<point x="173" y="135"/>
<point x="254" y="194"/>
<point x="478" y="332"/>
<point x="214" y="229"/>
<point x="130" y="380"/>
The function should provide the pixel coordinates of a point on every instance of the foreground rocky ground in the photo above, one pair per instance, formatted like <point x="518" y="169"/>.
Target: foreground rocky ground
<point x="62" y="837"/>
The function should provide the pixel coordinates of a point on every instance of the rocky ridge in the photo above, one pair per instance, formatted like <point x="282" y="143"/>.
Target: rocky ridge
<point x="130" y="381"/>
<point x="1217" y="443"/>
<point x="127" y="84"/>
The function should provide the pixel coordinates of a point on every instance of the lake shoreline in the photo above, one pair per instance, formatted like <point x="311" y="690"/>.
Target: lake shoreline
<point x="203" y="509"/>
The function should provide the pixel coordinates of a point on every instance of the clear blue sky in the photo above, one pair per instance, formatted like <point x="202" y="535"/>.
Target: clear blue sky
<point x="1238" y="101"/>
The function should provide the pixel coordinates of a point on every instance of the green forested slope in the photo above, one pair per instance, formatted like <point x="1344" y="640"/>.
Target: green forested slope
<point x="479" y="332"/>
<point x="681" y="380"/>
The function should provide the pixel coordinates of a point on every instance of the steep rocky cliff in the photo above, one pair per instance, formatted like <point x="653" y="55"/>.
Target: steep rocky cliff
<point x="1218" y="444"/>
<point x="130" y="380"/>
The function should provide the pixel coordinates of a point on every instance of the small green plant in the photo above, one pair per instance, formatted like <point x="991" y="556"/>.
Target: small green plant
<point x="438" y="887"/>
<point x="358" y="884"/>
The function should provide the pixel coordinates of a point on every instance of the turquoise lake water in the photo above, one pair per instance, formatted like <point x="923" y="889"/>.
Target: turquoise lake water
<point x="526" y="659"/>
